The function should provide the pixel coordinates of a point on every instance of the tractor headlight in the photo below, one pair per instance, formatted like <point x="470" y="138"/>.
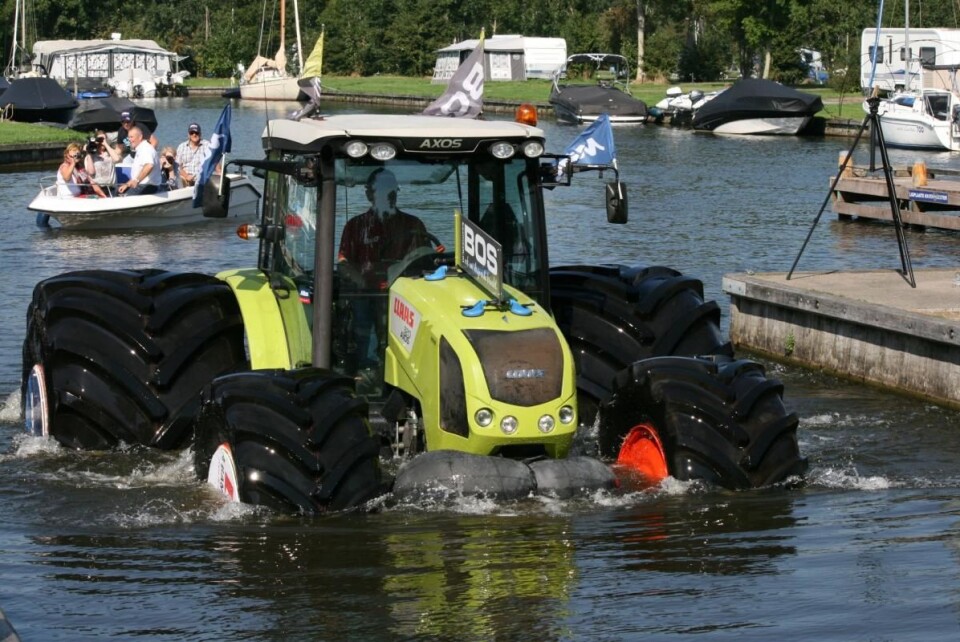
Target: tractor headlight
<point x="546" y="423"/>
<point x="355" y="148"/>
<point x="509" y="425"/>
<point x="533" y="149"/>
<point x="502" y="150"/>
<point x="566" y="414"/>
<point x="383" y="151"/>
<point x="483" y="417"/>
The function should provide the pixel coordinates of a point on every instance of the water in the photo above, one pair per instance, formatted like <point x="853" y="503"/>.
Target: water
<point x="126" y="545"/>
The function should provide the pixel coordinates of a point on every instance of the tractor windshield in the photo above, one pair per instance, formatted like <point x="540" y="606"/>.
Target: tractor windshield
<point x="403" y="205"/>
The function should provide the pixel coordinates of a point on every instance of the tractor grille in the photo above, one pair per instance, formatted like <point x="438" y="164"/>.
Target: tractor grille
<point x="522" y="368"/>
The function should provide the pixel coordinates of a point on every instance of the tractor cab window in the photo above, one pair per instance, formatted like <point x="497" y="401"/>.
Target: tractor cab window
<point x="396" y="219"/>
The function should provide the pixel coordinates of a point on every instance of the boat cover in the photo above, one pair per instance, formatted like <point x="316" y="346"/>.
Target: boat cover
<point x="594" y="100"/>
<point x="755" y="98"/>
<point x="104" y="113"/>
<point x="37" y="93"/>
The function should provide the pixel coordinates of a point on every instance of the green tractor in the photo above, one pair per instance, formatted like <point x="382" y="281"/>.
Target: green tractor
<point x="403" y="306"/>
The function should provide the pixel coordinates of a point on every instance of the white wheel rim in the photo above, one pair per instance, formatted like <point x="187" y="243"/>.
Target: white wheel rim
<point x="223" y="473"/>
<point x="36" y="412"/>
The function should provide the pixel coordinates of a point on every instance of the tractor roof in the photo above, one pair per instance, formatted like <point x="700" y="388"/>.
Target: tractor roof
<point x="311" y="134"/>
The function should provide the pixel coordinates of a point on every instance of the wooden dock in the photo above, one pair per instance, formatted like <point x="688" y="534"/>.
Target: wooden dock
<point x="870" y="326"/>
<point x="934" y="202"/>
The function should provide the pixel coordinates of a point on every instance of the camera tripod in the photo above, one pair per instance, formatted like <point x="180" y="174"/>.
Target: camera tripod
<point x="873" y="119"/>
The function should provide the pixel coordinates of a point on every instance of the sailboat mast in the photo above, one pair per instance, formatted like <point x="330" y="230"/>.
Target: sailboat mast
<point x="296" y="17"/>
<point x="13" y="50"/>
<point x="908" y="81"/>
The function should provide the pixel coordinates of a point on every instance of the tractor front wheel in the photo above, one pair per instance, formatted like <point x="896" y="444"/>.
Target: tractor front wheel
<point x="297" y="441"/>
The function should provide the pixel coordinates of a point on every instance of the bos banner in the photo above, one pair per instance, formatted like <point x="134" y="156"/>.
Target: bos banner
<point x="464" y="94"/>
<point x="480" y="257"/>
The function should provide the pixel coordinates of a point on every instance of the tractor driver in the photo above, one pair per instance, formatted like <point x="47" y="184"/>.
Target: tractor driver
<point x="371" y="242"/>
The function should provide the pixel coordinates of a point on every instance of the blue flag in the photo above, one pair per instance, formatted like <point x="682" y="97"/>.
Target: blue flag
<point x="595" y="145"/>
<point x="220" y="143"/>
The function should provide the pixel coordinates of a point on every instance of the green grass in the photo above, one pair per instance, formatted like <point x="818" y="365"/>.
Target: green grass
<point x="12" y="133"/>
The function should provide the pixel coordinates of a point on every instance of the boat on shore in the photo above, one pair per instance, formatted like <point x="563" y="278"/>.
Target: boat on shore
<point x="754" y="106"/>
<point x="163" y="209"/>
<point x="580" y="103"/>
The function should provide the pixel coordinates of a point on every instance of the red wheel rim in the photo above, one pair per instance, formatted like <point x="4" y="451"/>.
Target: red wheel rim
<point x="642" y="452"/>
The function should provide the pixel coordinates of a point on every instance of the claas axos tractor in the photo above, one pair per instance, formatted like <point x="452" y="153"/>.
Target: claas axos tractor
<point x="432" y="330"/>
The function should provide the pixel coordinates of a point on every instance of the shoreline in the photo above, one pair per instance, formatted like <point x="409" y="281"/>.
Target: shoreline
<point x="29" y="155"/>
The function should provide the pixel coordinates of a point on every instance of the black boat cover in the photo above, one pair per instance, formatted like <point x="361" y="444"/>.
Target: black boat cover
<point x="755" y="98"/>
<point x="594" y="100"/>
<point x="104" y="113"/>
<point x="36" y="94"/>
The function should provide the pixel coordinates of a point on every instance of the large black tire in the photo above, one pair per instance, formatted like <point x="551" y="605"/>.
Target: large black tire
<point x="299" y="439"/>
<point x="719" y="420"/>
<point x="123" y="356"/>
<point x="613" y="315"/>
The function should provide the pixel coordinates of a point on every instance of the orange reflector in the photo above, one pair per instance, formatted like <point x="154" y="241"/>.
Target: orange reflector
<point x="248" y="231"/>
<point x="526" y="114"/>
<point x="643" y="453"/>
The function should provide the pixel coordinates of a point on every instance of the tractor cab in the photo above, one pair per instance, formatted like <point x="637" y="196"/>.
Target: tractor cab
<point x="353" y="203"/>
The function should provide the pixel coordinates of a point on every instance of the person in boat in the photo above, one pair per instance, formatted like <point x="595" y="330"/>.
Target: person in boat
<point x="126" y="124"/>
<point x="101" y="160"/>
<point x="145" y="173"/>
<point x="190" y="155"/>
<point x="169" y="169"/>
<point x="72" y="179"/>
<point x="371" y="242"/>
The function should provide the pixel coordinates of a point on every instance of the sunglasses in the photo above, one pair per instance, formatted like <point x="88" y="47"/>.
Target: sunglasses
<point x="75" y="156"/>
<point x="194" y="133"/>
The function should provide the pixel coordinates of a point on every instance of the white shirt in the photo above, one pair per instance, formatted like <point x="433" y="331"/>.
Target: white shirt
<point x="146" y="154"/>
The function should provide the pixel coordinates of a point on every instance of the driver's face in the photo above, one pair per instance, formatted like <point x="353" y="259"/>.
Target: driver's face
<point x="383" y="201"/>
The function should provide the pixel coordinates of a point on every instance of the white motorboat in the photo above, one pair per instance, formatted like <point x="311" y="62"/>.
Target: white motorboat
<point x="680" y="106"/>
<point x="924" y="120"/>
<point x="163" y="209"/>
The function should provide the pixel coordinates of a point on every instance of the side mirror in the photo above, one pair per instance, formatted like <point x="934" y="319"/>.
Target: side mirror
<point x="616" y="203"/>
<point x="216" y="202"/>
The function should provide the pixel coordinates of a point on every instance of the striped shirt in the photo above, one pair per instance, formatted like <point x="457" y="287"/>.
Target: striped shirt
<point x="191" y="158"/>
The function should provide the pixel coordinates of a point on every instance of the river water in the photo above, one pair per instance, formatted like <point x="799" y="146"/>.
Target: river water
<point x="127" y="546"/>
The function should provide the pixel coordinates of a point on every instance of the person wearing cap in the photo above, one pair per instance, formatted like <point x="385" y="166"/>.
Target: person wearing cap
<point x="145" y="175"/>
<point x="371" y="242"/>
<point x="191" y="154"/>
<point x="123" y="134"/>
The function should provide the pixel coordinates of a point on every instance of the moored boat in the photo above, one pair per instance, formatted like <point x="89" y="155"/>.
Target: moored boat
<point x="163" y="209"/>
<point x="757" y="106"/>
<point x="33" y="100"/>
<point x="578" y="103"/>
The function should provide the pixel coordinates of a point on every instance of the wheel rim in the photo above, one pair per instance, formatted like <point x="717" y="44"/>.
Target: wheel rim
<point x="36" y="412"/>
<point x="223" y="473"/>
<point x="642" y="452"/>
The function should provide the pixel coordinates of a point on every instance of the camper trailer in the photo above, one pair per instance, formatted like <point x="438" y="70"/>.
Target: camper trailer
<point x="940" y="47"/>
<point x="506" y="57"/>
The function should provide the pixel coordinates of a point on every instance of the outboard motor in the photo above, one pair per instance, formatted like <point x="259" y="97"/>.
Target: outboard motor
<point x="695" y="96"/>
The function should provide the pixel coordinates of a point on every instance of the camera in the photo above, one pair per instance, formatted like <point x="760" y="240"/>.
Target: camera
<point x="93" y="145"/>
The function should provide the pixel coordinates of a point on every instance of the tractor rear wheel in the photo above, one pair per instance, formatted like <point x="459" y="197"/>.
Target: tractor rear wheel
<point x="297" y="441"/>
<point x="115" y="357"/>
<point x="719" y="420"/>
<point x="613" y="315"/>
